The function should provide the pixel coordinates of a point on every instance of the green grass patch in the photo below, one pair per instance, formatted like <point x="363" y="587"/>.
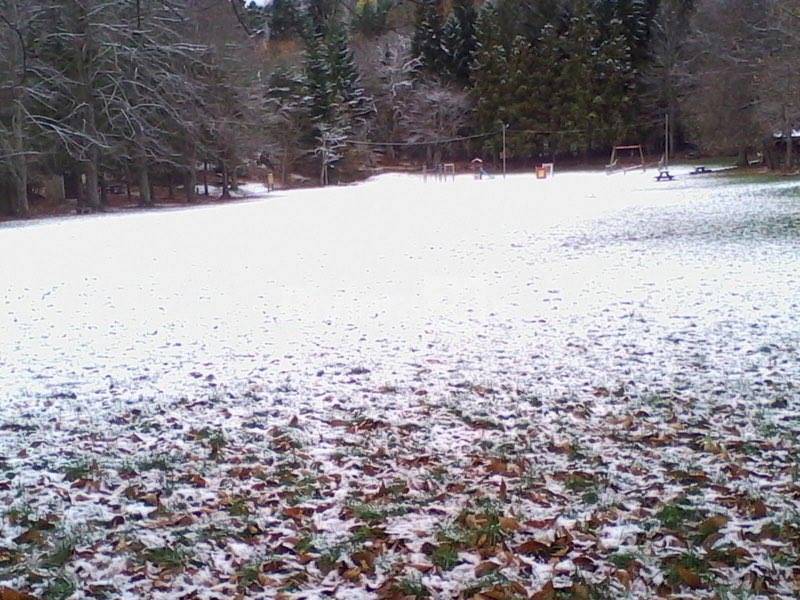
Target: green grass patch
<point x="412" y="587"/>
<point x="166" y="557"/>
<point x="445" y="557"/>
<point x="675" y="515"/>
<point x="60" y="588"/>
<point x="78" y="469"/>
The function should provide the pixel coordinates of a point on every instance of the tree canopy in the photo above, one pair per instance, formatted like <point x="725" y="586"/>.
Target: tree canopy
<point x="148" y="91"/>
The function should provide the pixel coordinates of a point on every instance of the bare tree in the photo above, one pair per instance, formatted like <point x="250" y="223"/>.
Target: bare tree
<point x="435" y="111"/>
<point x="725" y="50"/>
<point x="665" y="79"/>
<point x="390" y="77"/>
<point x="15" y="147"/>
<point x="776" y="78"/>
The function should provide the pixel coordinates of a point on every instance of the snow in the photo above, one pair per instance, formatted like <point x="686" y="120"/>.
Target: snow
<point x="468" y="339"/>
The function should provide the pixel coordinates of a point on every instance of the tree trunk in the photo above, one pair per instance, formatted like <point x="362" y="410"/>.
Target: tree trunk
<point x="190" y="175"/>
<point x="769" y="156"/>
<point x="205" y="178"/>
<point x="234" y="180"/>
<point x="92" y="183"/>
<point x="742" y="160"/>
<point x="225" y="182"/>
<point x="103" y="190"/>
<point x="788" y="138"/>
<point x="190" y="184"/>
<point x="20" y="204"/>
<point x="145" y="196"/>
<point x="19" y="165"/>
<point x="171" y="185"/>
<point x="19" y="162"/>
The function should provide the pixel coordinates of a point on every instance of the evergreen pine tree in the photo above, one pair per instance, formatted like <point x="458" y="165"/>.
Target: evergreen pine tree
<point x="549" y="56"/>
<point x="284" y="19"/>
<point x="335" y="98"/>
<point x="489" y="74"/>
<point x="427" y="43"/>
<point x="318" y="79"/>
<point x="579" y="103"/>
<point x="345" y="79"/>
<point x="459" y="40"/>
<point x="616" y="80"/>
<point x="520" y="110"/>
<point x="370" y="17"/>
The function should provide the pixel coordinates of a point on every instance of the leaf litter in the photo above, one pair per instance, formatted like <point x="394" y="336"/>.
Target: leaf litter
<point x="604" y="460"/>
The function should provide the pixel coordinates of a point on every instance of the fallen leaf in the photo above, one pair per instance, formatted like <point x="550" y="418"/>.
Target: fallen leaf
<point x="689" y="577"/>
<point x="485" y="568"/>
<point x="9" y="594"/>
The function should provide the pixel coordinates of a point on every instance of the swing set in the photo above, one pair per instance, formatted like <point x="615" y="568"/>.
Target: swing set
<point x="626" y="158"/>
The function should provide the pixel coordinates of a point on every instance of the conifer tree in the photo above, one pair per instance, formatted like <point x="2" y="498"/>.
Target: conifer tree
<point x="616" y="80"/>
<point x="489" y="73"/>
<point x="546" y="94"/>
<point x="580" y="104"/>
<point x="284" y="19"/>
<point x="318" y="79"/>
<point x="345" y="79"/>
<point x="428" y="41"/>
<point x="459" y="40"/>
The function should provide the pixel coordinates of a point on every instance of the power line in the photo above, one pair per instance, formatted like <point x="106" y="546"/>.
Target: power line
<point x="489" y="134"/>
<point x="424" y="143"/>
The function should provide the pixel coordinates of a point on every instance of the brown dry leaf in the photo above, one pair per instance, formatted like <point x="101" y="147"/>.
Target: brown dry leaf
<point x="9" y="594"/>
<point x="548" y="592"/>
<point x="624" y="578"/>
<point x="509" y="524"/>
<point x="485" y="568"/>
<point x="689" y="577"/>
<point x="759" y="509"/>
<point x="496" y="593"/>
<point x="32" y="536"/>
<point x="712" y="525"/>
<point x="532" y="547"/>
<point x="294" y="512"/>
<point x="498" y="467"/>
<point x="580" y="591"/>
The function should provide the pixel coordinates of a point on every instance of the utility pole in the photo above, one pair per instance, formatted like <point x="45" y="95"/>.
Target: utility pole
<point x="504" y="150"/>
<point x="324" y="174"/>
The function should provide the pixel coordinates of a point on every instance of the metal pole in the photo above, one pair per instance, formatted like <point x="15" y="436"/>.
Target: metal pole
<point x="504" y="150"/>
<point x="666" y="140"/>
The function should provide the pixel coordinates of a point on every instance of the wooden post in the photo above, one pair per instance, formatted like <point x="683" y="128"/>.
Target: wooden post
<point x="504" y="150"/>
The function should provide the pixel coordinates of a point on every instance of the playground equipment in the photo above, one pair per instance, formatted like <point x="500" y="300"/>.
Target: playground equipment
<point x="619" y="153"/>
<point x="544" y="170"/>
<point x="663" y="166"/>
<point x="440" y="172"/>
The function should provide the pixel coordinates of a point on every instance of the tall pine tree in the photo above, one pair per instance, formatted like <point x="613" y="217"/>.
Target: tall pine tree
<point x="427" y="43"/>
<point x="459" y="40"/>
<point x="490" y="74"/>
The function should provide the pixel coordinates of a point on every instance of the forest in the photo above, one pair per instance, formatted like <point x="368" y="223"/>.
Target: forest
<point x="152" y="98"/>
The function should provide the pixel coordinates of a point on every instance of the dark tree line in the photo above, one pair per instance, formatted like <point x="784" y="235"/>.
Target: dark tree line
<point x="140" y="93"/>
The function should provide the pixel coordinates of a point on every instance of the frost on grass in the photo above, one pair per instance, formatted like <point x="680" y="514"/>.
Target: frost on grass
<point x="463" y="491"/>
<point x="531" y="434"/>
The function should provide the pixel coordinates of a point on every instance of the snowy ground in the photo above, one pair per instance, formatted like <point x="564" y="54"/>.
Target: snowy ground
<point x="584" y="387"/>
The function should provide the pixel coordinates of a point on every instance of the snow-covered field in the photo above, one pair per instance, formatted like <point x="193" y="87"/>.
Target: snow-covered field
<point x="513" y="388"/>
